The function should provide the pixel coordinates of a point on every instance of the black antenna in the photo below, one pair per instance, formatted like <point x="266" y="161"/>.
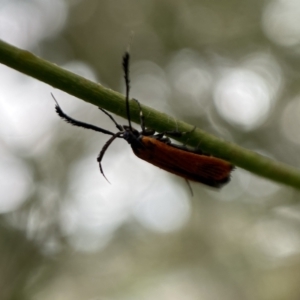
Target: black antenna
<point x="126" y="58"/>
<point x="79" y="123"/>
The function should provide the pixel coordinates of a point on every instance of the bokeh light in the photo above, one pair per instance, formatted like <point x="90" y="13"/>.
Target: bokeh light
<point x="281" y="22"/>
<point x="245" y="94"/>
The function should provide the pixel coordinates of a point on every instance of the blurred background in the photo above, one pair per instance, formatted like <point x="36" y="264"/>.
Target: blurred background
<point x="230" y="67"/>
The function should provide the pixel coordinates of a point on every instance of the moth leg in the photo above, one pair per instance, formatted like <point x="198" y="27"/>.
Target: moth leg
<point x="120" y="127"/>
<point x="142" y="118"/>
<point x="174" y="133"/>
<point x="190" y="187"/>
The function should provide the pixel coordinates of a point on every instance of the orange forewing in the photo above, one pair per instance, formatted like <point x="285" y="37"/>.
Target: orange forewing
<point x="209" y="170"/>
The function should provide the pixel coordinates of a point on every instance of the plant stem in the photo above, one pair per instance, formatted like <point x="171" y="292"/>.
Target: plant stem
<point x="27" y="63"/>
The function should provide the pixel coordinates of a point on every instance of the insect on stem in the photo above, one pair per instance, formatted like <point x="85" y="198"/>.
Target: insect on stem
<point x="157" y="148"/>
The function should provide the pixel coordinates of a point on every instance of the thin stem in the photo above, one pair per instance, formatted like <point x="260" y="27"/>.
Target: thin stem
<point x="96" y="94"/>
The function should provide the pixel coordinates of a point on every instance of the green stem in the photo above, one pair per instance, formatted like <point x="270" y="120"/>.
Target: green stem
<point x="27" y="63"/>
